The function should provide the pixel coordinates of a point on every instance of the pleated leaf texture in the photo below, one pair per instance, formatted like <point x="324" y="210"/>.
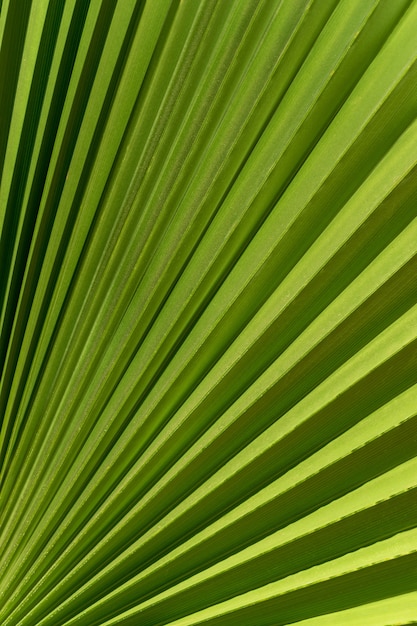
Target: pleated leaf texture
<point x="208" y="400"/>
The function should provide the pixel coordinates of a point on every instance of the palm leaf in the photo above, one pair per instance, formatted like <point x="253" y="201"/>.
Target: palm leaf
<point x="208" y="312"/>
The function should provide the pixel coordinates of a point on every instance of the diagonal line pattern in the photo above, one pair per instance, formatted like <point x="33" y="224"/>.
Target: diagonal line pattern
<point x="208" y="344"/>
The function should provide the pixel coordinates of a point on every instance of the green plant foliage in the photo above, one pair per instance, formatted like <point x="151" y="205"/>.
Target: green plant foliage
<point x="208" y="332"/>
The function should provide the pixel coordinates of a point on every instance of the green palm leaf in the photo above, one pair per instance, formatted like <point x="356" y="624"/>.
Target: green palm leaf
<point x="208" y="339"/>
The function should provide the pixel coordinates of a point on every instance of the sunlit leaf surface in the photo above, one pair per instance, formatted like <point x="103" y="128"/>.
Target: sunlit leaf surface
<point x="208" y="332"/>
